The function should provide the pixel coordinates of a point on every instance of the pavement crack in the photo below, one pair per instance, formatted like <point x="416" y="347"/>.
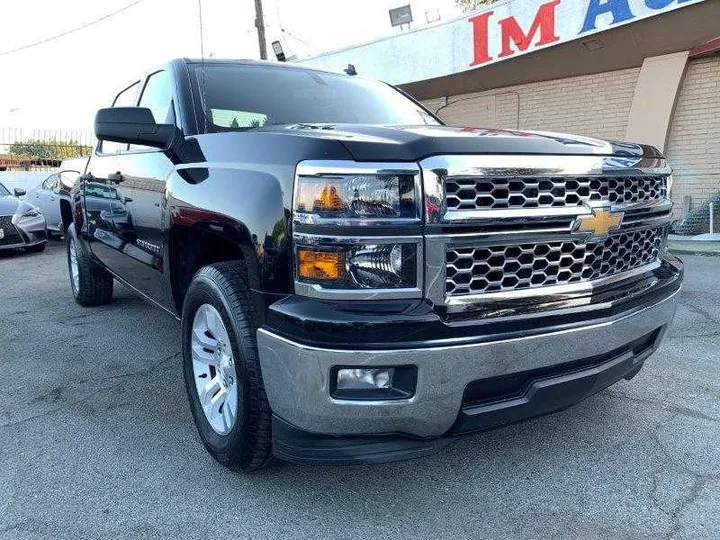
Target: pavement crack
<point x="691" y="336"/>
<point x="119" y="378"/>
<point x="687" y="501"/>
<point x="671" y="408"/>
<point x="701" y="311"/>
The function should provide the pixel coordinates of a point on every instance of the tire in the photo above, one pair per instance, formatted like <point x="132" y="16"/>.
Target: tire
<point x="37" y="248"/>
<point x="94" y="284"/>
<point x="246" y="444"/>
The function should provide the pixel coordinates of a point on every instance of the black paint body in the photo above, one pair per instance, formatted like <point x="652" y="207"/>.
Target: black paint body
<point x="238" y="186"/>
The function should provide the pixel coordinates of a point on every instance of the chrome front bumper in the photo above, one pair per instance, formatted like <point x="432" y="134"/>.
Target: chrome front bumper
<point x="297" y="376"/>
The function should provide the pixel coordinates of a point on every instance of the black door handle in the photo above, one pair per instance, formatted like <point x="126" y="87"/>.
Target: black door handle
<point x="116" y="177"/>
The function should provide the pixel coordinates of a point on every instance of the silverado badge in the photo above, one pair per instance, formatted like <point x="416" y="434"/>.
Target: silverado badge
<point x="599" y="224"/>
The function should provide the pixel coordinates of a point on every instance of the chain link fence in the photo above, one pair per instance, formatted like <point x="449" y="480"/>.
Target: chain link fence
<point x="41" y="149"/>
<point x="699" y="216"/>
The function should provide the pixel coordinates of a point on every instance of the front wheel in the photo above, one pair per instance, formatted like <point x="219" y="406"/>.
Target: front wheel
<point x="222" y="368"/>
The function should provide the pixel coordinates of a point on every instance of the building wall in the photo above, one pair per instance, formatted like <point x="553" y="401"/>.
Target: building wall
<point x="599" y="106"/>
<point x="694" y="143"/>
<point x="592" y="105"/>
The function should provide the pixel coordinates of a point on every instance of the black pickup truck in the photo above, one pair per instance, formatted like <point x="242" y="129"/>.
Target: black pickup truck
<point x="356" y="281"/>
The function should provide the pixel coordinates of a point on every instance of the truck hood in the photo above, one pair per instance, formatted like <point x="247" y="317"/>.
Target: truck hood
<point x="412" y="143"/>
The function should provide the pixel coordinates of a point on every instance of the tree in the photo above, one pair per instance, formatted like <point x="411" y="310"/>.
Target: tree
<point x="469" y="5"/>
<point x="50" y="149"/>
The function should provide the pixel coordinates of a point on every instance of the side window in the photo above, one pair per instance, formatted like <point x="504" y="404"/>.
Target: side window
<point x="157" y="96"/>
<point x="50" y="182"/>
<point x="126" y="98"/>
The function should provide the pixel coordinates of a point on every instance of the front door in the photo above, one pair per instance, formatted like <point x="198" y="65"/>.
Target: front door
<point x="108" y="220"/>
<point x="46" y="198"/>
<point x="143" y="172"/>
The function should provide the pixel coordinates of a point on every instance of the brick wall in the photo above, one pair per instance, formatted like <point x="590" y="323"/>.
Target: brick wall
<point x="694" y="143"/>
<point x="592" y="105"/>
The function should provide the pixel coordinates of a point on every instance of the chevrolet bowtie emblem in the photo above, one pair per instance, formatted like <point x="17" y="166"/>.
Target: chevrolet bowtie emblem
<point x="599" y="223"/>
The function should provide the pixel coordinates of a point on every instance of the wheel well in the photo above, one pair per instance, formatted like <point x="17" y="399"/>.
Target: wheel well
<point x="65" y="214"/>
<point x="190" y="250"/>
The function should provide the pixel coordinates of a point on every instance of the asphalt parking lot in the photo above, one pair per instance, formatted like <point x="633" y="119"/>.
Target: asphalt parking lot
<point x="97" y="441"/>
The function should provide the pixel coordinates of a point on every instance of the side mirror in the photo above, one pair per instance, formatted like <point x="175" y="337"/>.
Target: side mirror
<point x="68" y="179"/>
<point x="128" y="199"/>
<point x="134" y="125"/>
<point x="19" y="192"/>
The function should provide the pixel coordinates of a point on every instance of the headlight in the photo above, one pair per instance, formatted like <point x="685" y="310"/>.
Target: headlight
<point x="385" y="195"/>
<point x="365" y="200"/>
<point x="35" y="212"/>
<point x="32" y="214"/>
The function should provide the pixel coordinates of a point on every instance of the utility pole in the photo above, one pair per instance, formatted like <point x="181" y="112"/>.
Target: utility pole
<point x="260" y="25"/>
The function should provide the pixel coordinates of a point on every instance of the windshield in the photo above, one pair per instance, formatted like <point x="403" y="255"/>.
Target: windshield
<point x="240" y="97"/>
<point x="4" y="191"/>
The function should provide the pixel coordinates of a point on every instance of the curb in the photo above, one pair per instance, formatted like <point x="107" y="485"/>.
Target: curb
<point x="694" y="247"/>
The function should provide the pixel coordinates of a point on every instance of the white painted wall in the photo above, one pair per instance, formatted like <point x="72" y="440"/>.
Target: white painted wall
<point x="447" y="48"/>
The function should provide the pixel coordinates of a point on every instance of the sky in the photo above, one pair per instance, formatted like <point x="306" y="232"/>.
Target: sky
<point x="60" y="84"/>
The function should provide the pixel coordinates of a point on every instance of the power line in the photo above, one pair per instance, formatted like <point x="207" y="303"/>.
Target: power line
<point x="296" y="38"/>
<point x="287" y="32"/>
<point x="68" y="32"/>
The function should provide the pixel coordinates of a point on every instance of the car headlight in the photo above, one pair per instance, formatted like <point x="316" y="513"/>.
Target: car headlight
<point x="323" y="197"/>
<point x="340" y="212"/>
<point x="28" y="215"/>
<point x="33" y="213"/>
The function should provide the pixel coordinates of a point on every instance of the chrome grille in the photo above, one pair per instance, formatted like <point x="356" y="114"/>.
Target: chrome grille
<point x="473" y="193"/>
<point x="509" y="267"/>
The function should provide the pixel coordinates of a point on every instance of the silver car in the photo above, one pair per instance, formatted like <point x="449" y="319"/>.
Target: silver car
<point x="22" y="225"/>
<point x="53" y="199"/>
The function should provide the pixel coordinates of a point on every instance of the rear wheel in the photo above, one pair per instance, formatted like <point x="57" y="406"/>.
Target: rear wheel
<point x="222" y="369"/>
<point x="91" y="284"/>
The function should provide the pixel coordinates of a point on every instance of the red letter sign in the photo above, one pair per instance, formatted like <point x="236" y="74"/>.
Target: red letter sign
<point x="510" y="30"/>
<point x="480" y="38"/>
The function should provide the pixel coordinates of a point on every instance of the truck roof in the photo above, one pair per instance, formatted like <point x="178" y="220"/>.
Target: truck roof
<point x="247" y="61"/>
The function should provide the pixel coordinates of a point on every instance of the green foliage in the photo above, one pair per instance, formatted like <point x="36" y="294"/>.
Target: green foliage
<point x="469" y="5"/>
<point x="49" y="149"/>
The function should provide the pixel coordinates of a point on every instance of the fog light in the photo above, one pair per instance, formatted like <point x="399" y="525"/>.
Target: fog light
<point x="365" y="379"/>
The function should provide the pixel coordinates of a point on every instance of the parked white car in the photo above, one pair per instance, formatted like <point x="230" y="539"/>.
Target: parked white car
<point x="22" y="225"/>
<point x="53" y="198"/>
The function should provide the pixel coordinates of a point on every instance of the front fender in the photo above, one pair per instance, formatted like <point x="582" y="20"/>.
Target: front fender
<point x="244" y="205"/>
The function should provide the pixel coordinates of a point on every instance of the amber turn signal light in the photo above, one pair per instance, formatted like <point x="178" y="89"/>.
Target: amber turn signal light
<point x="328" y="265"/>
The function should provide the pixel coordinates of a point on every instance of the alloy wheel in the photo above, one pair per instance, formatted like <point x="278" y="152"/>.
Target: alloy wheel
<point x="74" y="269"/>
<point x="214" y="369"/>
